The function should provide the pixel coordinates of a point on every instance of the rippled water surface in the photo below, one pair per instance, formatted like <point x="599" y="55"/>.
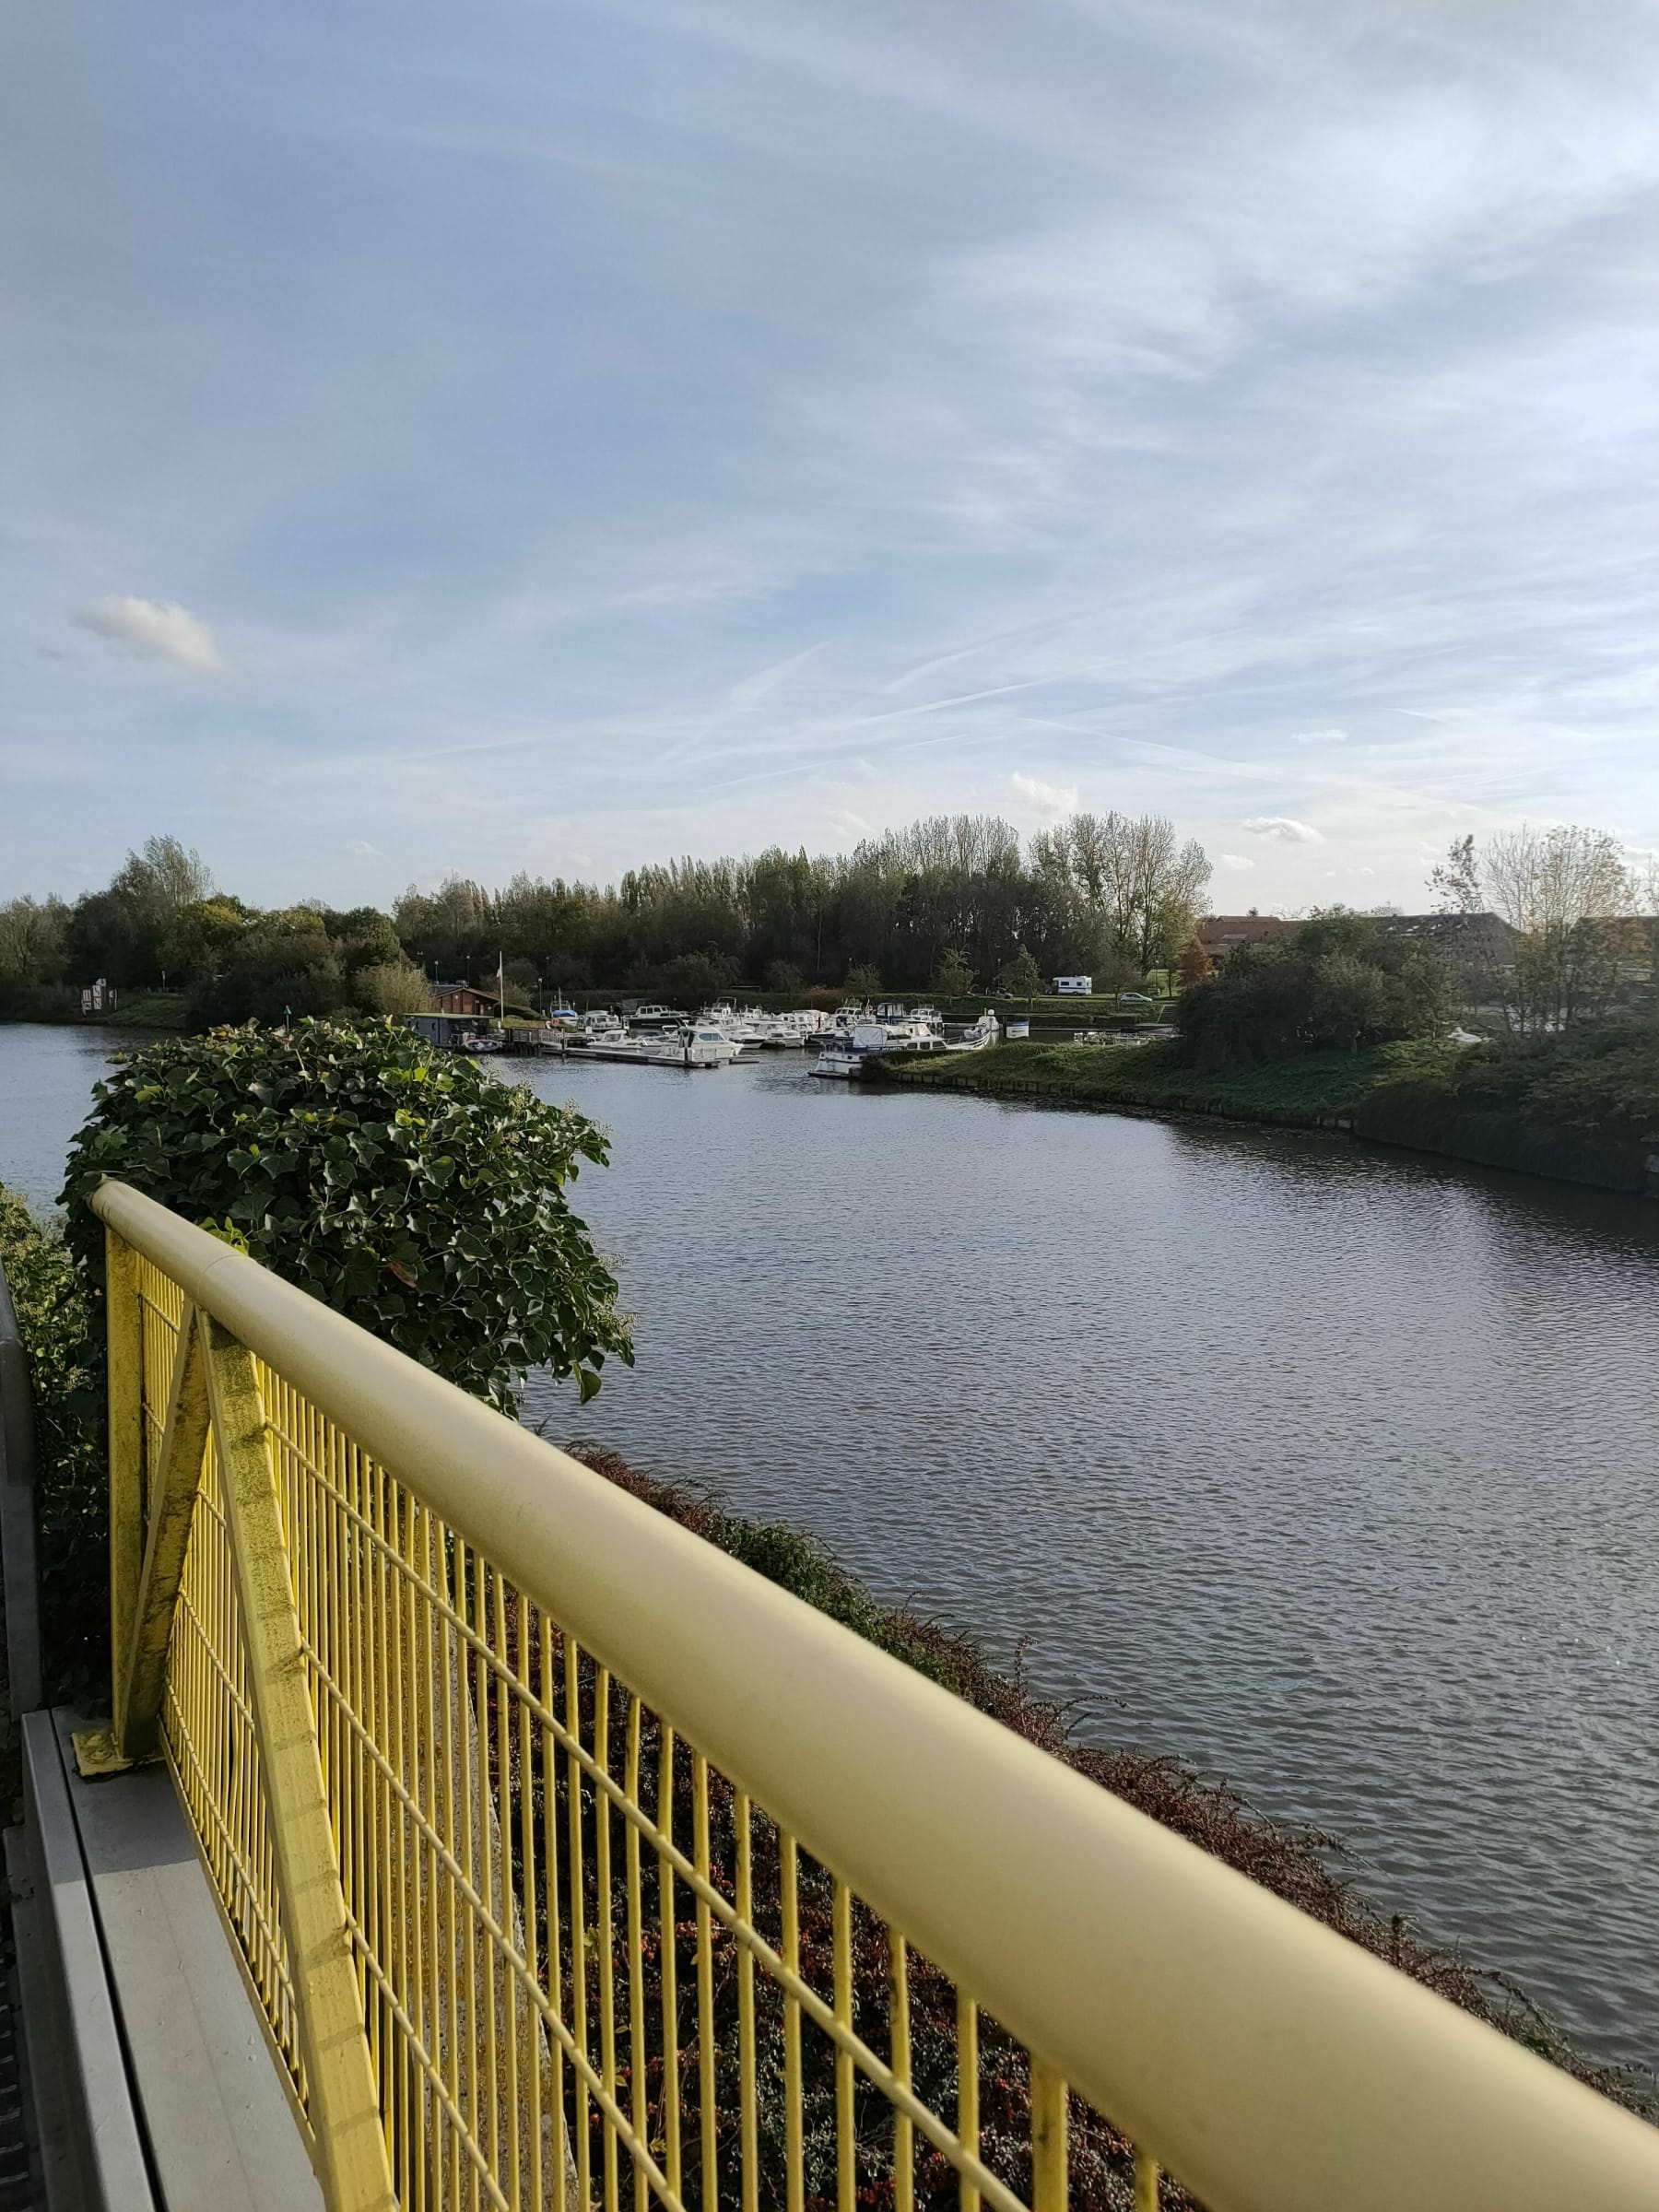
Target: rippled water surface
<point x="1334" y="1471"/>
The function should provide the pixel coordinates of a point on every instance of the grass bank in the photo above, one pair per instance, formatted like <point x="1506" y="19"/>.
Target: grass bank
<point x="1313" y="1091"/>
<point x="1301" y="1865"/>
<point x="1583" y="1107"/>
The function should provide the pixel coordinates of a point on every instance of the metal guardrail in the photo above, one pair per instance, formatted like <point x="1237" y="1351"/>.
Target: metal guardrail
<point x="574" y="1863"/>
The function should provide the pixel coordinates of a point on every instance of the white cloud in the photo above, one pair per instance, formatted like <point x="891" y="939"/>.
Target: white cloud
<point x="1051" y="799"/>
<point x="1233" y="860"/>
<point x="1282" y="826"/>
<point x="365" y="851"/>
<point x="1320" y="737"/>
<point x="156" y="630"/>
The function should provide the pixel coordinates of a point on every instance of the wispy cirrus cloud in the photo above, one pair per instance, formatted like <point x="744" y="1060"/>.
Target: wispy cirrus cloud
<point x="1138" y="406"/>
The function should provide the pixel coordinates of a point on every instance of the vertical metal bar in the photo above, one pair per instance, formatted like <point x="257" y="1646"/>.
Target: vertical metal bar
<point x="607" y="1931"/>
<point x="511" y="2177"/>
<point x="1048" y="2139"/>
<point x="672" y="2168"/>
<point x="390" y="1606"/>
<point x="745" y="1902"/>
<point x="904" y="2164"/>
<point x="578" y="1919"/>
<point x="475" y="1722"/>
<point x="124" y="1325"/>
<point x="441" y="1967"/>
<point x="1146" y="2182"/>
<point x="562" y="2164"/>
<point x="708" y="2111"/>
<point x="636" y="1958"/>
<point x="793" y="2149"/>
<point x="527" y="1889"/>
<point x="141" y="1682"/>
<point x="846" y="2178"/>
<point x="344" y="2108"/>
<point x="463" y="1828"/>
<point x="968" y="2112"/>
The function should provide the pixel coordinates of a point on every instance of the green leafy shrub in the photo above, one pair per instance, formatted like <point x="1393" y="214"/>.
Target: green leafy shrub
<point x="71" y="1494"/>
<point x="1580" y="1103"/>
<point x="1340" y="983"/>
<point x="405" y="1187"/>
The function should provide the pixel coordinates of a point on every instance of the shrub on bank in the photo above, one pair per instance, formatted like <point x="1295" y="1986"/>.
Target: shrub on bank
<point x="1342" y="982"/>
<point x="1581" y="1104"/>
<point x="408" y="1189"/>
<point x="71" y="1495"/>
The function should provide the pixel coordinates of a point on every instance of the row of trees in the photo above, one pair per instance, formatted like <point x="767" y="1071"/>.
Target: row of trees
<point x="162" y="923"/>
<point x="1583" y="919"/>
<point x="1539" y="926"/>
<point x="1535" y="933"/>
<point x="948" y="904"/>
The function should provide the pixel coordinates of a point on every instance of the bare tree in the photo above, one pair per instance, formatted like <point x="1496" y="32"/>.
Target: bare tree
<point x="1130" y="873"/>
<point x="1570" y="897"/>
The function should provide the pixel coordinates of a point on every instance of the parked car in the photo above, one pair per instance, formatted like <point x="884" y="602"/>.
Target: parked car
<point x="1134" y="998"/>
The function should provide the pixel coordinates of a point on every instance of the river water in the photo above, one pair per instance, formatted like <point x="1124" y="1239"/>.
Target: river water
<point x="1332" y="1470"/>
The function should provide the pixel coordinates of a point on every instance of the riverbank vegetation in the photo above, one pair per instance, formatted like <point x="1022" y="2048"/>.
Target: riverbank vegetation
<point x="948" y="905"/>
<point x="1308" y="1087"/>
<point x="1340" y="983"/>
<point x="1581" y="1104"/>
<point x="66" y="1362"/>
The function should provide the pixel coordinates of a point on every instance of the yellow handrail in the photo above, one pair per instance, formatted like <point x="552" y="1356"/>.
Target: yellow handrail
<point x="1264" y="2062"/>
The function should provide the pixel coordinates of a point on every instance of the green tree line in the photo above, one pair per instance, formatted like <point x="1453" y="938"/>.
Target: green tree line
<point x="952" y="902"/>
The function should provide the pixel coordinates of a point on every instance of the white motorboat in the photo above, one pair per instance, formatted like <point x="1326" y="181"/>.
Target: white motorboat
<point x="984" y="1031"/>
<point x="845" y="1057"/>
<point x="698" y="1044"/>
<point x="614" y="1044"/>
<point x="740" y="1030"/>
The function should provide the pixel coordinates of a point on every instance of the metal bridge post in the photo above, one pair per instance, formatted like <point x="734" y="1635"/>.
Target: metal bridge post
<point x="343" y="2096"/>
<point x="124" y="1340"/>
<point x="142" y="1679"/>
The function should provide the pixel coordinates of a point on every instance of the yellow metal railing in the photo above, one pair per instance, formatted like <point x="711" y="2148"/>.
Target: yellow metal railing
<point x="572" y="1864"/>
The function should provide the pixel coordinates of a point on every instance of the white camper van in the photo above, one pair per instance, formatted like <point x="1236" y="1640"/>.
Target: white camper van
<point x="1074" y="986"/>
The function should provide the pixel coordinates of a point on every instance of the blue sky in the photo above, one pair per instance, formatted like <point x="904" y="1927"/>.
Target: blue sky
<point x="555" y="436"/>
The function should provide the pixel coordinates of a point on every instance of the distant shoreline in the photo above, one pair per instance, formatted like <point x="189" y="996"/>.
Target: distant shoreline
<point x="1395" y="1095"/>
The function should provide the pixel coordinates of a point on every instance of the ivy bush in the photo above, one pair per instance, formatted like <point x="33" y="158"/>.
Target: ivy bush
<point x="402" y="1185"/>
<point x="72" y="1487"/>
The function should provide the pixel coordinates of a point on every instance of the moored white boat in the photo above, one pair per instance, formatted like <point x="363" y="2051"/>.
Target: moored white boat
<point x="984" y="1031"/>
<point x="700" y="1044"/>
<point x="845" y="1056"/>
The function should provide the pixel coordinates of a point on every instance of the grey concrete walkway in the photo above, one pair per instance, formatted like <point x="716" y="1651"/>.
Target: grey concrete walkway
<point x="156" y="2088"/>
